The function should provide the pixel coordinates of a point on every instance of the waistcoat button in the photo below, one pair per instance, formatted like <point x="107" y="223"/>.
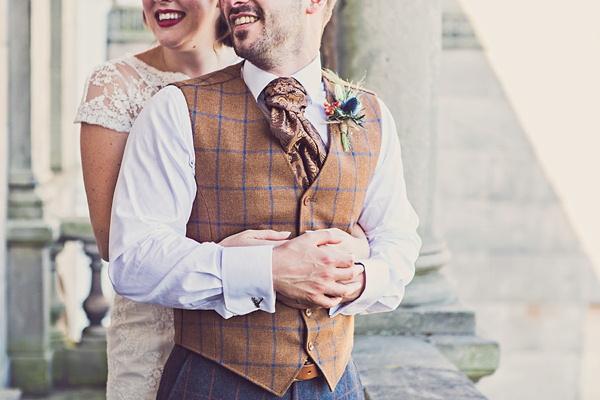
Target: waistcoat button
<point x="311" y="346"/>
<point x="308" y="312"/>
<point x="307" y="200"/>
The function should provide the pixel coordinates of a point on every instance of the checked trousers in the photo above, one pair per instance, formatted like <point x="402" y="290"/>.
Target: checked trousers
<point x="190" y="376"/>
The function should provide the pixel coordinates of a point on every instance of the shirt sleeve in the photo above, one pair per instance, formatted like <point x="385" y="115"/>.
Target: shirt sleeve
<point x="151" y="259"/>
<point x="390" y="224"/>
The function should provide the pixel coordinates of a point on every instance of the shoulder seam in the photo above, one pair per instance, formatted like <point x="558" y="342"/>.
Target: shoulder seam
<point x="213" y="78"/>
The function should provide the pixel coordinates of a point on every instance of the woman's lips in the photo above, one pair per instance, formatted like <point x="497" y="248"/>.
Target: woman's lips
<point x="167" y="18"/>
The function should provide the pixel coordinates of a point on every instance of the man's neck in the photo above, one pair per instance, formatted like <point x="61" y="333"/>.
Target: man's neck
<point x="292" y="64"/>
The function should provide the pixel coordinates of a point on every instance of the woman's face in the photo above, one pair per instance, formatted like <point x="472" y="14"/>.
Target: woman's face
<point x="182" y="24"/>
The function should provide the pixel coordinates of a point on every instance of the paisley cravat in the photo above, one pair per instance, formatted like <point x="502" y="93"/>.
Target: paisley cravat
<point x="286" y="100"/>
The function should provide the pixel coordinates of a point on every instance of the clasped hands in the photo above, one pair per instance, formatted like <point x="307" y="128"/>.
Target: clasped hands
<point x="315" y="269"/>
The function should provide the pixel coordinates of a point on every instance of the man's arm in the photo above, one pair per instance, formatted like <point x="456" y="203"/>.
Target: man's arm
<point x="152" y="260"/>
<point x="390" y="223"/>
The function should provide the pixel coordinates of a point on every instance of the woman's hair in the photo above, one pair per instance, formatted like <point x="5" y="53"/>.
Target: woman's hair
<point x="223" y="33"/>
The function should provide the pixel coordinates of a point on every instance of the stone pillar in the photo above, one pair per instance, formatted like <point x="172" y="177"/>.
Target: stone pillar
<point x="28" y="233"/>
<point x="396" y="46"/>
<point x="3" y="186"/>
<point x="400" y="54"/>
<point x="56" y="112"/>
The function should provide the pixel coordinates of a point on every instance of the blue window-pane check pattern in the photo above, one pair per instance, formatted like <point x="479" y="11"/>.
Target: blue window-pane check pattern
<point x="245" y="181"/>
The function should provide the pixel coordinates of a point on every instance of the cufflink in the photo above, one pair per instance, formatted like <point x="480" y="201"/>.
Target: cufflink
<point x="257" y="301"/>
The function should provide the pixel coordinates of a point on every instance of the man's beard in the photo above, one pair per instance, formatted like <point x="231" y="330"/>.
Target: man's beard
<point x="272" y="47"/>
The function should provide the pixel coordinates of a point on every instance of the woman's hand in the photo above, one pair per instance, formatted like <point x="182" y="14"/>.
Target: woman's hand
<point x="253" y="237"/>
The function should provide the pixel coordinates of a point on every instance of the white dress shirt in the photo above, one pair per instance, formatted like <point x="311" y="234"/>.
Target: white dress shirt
<point x="151" y="259"/>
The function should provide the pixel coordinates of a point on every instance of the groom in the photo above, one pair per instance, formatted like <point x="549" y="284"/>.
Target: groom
<point x="249" y="147"/>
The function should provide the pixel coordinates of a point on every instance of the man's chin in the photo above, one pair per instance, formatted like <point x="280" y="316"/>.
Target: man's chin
<point x="240" y="36"/>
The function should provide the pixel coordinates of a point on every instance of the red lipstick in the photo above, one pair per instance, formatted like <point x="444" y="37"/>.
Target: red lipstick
<point x="168" y="18"/>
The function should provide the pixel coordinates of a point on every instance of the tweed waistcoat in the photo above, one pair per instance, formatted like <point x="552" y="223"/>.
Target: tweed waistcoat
<point x="245" y="181"/>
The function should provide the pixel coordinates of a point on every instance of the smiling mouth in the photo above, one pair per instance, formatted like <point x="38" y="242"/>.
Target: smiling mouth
<point x="244" y="20"/>
<point x="166" y="18"/>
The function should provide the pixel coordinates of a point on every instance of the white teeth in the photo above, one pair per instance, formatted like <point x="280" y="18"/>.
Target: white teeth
<point x="165" y="16"/>
<point x="244" y="20"/>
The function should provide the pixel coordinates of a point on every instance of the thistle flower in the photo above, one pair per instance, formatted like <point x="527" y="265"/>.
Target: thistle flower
<point x="346" y="110"/>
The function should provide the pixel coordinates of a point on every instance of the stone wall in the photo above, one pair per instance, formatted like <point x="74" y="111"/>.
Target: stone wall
<point x="516" y="259"/>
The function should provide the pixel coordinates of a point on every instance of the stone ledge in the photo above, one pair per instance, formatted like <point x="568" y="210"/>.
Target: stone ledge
<point x="476" y="357"/>
<point x="10" y="394"/>
<point x="452" y="319"/>
<point x="76" y="229"/>
<point x="31" y="232"/>
<point x="397" y="367"/>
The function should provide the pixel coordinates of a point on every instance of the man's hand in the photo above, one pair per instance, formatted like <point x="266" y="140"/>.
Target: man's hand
<point x="361" y="280"/>
<point x="306" y="271"/>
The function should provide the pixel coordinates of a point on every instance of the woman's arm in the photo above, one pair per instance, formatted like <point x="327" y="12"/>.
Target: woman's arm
<point x="101" y="155"/>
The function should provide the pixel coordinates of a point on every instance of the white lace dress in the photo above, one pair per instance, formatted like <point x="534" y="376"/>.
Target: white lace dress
<point x="140" y="336"/>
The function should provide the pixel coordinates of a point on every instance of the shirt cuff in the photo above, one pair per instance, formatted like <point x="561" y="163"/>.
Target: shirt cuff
<point x="377" y="279"/>
<point x="248" y="279"/>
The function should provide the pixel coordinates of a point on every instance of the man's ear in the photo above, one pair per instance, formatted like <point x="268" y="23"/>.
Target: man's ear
<point x="315" y="6"/>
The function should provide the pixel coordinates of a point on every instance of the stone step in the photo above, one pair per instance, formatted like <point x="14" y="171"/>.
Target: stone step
<point x="452" y="319"/>
<point x="402" y="367"/>
<point x="476" y="357"/>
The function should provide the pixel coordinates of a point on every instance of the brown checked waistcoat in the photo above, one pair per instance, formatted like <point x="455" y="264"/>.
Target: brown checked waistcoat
<point x="245" y="181"/>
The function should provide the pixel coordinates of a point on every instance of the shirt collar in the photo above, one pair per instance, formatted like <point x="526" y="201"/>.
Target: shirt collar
<point x="310" y="77"/>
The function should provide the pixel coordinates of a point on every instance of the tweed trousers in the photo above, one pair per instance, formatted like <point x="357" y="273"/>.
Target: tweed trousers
<point x="188" y="375"/>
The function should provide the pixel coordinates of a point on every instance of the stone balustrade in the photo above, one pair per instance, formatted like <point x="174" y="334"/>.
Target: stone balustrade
<point x="84" y="363"/>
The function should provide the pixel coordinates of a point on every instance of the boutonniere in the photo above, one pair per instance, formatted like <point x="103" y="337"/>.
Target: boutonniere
<point x="346" y="110"/>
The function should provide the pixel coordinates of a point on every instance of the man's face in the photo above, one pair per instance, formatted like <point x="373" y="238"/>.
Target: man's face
<point x="266" y="32"/>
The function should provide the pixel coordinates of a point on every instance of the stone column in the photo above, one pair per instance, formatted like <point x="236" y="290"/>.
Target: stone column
<point x="396" y="46"/>
<point x="3" y="186"/>
<point x="56" y="111"/>
<point x="28" y="233"/>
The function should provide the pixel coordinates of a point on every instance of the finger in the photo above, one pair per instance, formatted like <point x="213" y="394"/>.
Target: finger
<point x="267" y="242"/>
<point x="327" y="301"/>
<point x="341" y="261"/>
<point x="342" y="290"/>
<point x="269" y="234"/>
<point x="323" y="236"/>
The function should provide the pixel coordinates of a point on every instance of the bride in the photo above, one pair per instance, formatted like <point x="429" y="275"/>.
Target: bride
<point x="191" y="41"/>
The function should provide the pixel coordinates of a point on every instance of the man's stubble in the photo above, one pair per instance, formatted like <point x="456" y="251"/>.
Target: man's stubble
<point x="280" y="39"/>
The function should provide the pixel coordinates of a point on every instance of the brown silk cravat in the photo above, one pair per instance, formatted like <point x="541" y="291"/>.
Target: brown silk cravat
<point x="286" y="100"/>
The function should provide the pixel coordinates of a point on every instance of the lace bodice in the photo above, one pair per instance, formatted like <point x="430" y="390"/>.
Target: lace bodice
<point x="116" y="92"/>
<point x="140" y="336"/>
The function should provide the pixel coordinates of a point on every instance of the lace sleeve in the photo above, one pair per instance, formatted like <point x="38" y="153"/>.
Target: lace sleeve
<point x="106" y="100"/>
